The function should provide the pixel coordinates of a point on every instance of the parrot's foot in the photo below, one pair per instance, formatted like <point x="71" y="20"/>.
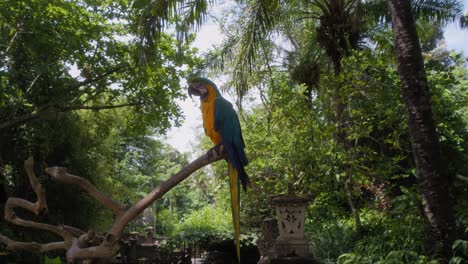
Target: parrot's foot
<point x="217" y="150"/>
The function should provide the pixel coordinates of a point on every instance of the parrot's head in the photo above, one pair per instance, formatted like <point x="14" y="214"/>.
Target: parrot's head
<point x="200" y="86"/>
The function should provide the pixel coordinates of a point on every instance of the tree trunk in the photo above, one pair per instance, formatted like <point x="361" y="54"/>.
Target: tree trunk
<point x="433" y="181"/>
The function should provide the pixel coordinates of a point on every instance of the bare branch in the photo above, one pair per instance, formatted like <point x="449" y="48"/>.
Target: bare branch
<point x="32" y="246"/>
<point x="32" y="83"/>
<point x="210" y="157"/>
<point x="39" y="207"/>
<point x="95" y="108"/>
<point x="76" y="241"/>
<point x="76" y="232"/>
<point x="11" y="42"/>
<point x="93" y="80"/>
<point x="23" y="119"/>
<point x="101" y="76"/>
<point x="60" y="174"/>
<point x="84" y="240"/>
<point x="109" y="246"/>
<point x="41" y="204"/>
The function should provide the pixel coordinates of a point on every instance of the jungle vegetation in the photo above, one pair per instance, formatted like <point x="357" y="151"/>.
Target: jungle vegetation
<point x="323" y="97"/>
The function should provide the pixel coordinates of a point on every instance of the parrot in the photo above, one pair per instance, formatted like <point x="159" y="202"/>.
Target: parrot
<point x="221" y="124"/>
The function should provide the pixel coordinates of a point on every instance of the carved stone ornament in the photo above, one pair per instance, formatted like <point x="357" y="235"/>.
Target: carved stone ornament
<point x="290" y="213"/>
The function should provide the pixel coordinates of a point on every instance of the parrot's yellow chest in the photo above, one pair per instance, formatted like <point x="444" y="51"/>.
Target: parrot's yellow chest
<point x="207" y="108"/>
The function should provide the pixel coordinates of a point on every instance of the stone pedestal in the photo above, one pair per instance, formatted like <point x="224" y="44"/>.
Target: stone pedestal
<point x="149" y="238"/>
<point x="291" y="248"/>
<point x="267" y="239"/>
<point x="287" y="241"/>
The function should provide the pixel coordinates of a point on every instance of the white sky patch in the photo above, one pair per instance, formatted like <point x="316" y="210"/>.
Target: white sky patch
<point x="455" y="37"/>
<point x="73" y="70"/>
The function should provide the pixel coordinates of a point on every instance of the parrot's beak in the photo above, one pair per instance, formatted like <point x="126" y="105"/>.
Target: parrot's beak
<point x="192" y="91"/>
<point x="196" y="89"/>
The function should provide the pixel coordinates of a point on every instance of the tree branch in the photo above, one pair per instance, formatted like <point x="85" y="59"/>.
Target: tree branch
<point x="100" y="77"/>
<point x="28" y="117"/>
<point x="24" y="118"/>
<point x="82" y="245"/>
<point x="32" y="246"/>
<point x="96" y="108"/>
<point x="109" y="245"/>
<point x="211" y="156"/>
<point x="60" y="174"/>
<point x="39" y="207"/>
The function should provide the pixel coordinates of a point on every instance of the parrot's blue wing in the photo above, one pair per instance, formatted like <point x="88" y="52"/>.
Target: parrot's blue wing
<point x="226" y="123"/>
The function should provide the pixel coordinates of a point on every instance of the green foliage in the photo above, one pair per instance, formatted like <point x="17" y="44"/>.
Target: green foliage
<point x="55" y="260"/>
<point x="333" y="234"/>
<point x="460" y="251"/>
<point x="167" y="221"/>
<point x="290" y="140"/>
<point x="330" y="238"/>
<point x="106" y="71"/>
<point x="61" y="59"/>
<point x="207" y="223"/>
<point x="75" y="93"/>
<point x="393" y="257"/>
<point x="449" y="88"/>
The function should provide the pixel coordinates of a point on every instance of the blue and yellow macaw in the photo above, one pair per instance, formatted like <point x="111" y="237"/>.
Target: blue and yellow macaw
<point x="222" y="125"/>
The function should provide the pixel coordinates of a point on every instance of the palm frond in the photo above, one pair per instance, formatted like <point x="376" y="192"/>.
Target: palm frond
<point x="381" y="40"/>
<point x="377" y="10"/>
<point x="217" y="58"/>
<point x="262" y="16"/>
<point x="193" y="14"/>
<point x="441" y="11"/>
<point x="156" y="16"/>
<point x="340" y="28"/>
<point x="322" y="5"/>
<point x="464" y="20"/>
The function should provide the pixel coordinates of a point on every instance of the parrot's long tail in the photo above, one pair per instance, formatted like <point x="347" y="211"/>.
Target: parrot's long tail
<point x="235" y="205"/>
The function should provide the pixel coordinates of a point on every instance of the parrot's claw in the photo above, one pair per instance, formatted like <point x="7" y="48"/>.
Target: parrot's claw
<point x="211" y="153"/>
<point x="216" y="150"/>
<point x="219" y="149"/>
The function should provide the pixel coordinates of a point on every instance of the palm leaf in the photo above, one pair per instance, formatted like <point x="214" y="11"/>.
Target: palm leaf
<point x="156" y="16"/>
<point x="262" y="16"/>
<point x="442" y="11"/>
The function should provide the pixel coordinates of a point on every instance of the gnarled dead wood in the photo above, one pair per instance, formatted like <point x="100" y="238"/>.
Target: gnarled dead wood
<point x="61" y="174"/>
<point x="76" y="241"/>
<point x="32" y="246"/>
<point x="39" y="207"/>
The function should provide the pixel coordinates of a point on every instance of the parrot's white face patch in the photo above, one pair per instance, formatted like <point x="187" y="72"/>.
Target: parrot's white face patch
<point x="197" y="89"/>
